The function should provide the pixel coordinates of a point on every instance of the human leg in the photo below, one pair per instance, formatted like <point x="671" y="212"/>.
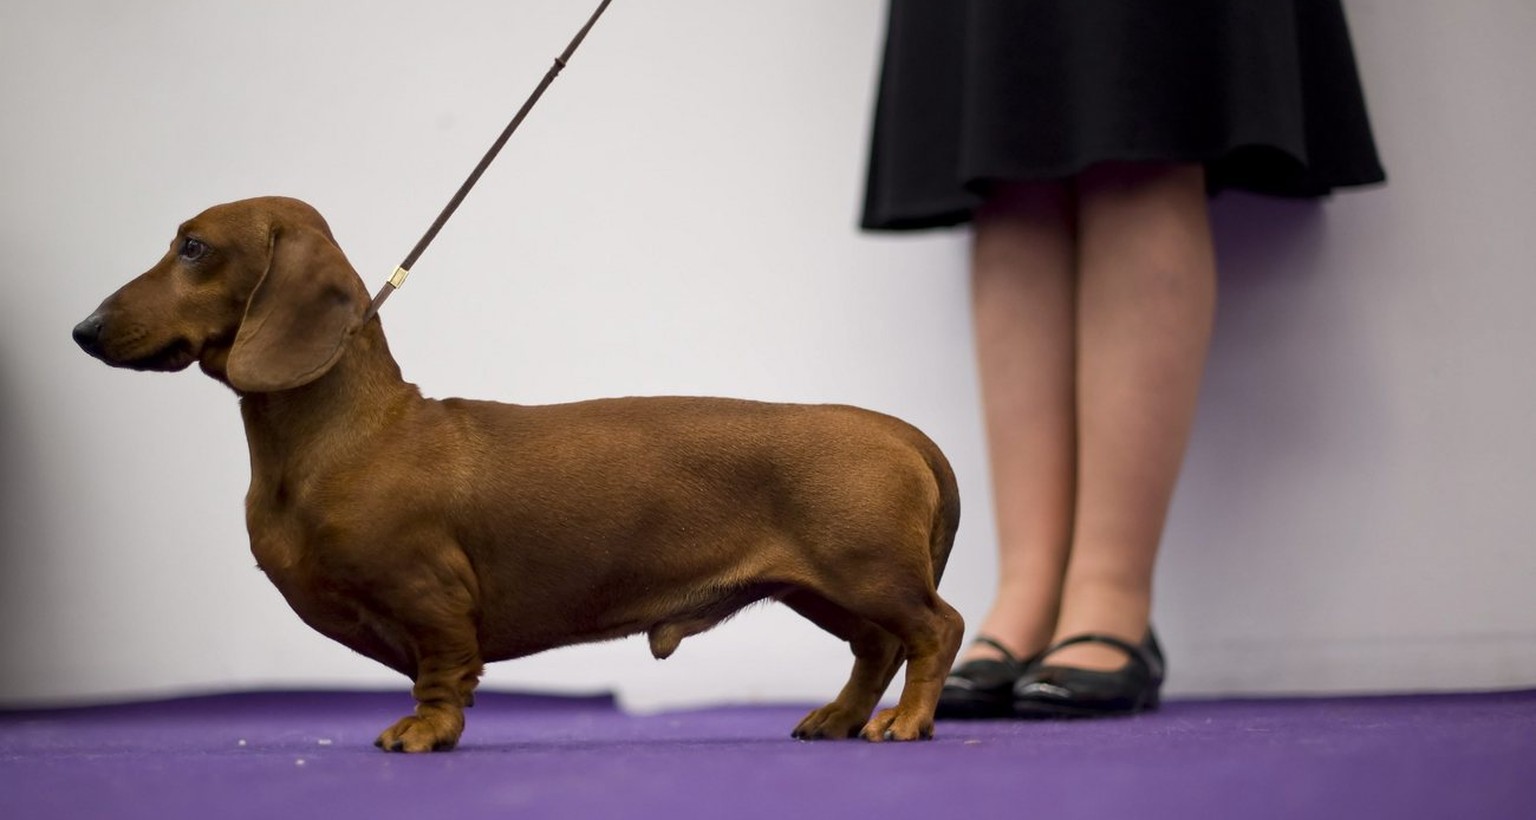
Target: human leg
<point x="1022" y="269"/>
<point x="1146" y="300"/>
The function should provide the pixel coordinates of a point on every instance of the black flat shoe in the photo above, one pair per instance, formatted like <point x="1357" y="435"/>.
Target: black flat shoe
<point x="1046" y="691"/>
<point x="982" y="688"/>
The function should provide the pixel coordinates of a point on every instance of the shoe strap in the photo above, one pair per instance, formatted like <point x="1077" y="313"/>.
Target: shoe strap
<point x="1138" y="655"/>
<point x="993" y="642"/>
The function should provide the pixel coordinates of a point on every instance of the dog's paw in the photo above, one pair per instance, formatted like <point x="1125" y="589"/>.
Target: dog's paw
<point x="419" y="734"/>
<point x="830" y="722"/>
<point x="893" y="724"/>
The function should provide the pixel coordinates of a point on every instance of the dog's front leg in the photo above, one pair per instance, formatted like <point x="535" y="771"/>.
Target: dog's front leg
<point x="439" y="627"/>
<point x="444" y="686"/>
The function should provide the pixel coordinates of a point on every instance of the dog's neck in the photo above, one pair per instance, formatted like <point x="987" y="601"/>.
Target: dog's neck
<point x="355" y="399"/>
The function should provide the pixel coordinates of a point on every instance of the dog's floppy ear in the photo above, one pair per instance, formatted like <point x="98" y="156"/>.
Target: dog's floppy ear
<point x="298" y="319"/>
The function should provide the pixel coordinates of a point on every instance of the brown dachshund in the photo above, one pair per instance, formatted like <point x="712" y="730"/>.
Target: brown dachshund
<point x="434" y="536"/>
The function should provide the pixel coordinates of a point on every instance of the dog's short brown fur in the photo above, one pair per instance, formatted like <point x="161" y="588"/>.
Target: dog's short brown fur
<point x="433" y="536"/>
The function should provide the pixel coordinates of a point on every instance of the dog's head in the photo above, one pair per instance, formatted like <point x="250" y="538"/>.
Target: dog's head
<point x="255" y="291"/>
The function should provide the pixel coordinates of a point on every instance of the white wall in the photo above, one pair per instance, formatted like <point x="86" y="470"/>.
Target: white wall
<point x="677" y="217"/>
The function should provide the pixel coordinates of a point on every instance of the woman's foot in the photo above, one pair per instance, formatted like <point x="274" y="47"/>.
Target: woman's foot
<point x="1048" y="690"/>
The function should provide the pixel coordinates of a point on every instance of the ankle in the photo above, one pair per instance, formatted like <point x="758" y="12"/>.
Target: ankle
<point x="1022" y="640"/>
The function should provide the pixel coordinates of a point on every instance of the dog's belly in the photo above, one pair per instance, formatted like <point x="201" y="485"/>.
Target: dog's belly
<point x="666" y="618"/>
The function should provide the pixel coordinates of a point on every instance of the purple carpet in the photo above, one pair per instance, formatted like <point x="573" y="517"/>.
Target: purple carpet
<point x="304" y="755"/>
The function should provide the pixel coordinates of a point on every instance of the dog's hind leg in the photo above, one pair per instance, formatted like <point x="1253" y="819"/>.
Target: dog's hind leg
<point x="877" y="655"/>
<point x="930" y="631"/>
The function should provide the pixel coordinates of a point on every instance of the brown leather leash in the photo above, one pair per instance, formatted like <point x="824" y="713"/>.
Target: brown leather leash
<point x="398" y="277"/>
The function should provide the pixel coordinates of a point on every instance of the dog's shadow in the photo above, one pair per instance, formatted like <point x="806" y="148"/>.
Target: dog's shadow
<point x="642" y="745"/>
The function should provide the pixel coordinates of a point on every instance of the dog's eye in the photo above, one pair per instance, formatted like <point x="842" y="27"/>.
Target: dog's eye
<point x="193" y="250"/>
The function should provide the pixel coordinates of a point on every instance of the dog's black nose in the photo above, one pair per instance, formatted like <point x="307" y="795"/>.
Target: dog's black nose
<point x="88" y="333"/>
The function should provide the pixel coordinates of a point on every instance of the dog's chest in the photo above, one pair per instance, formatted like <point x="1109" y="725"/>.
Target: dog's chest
<point x="323" y="601"/>
<point x="276" y="553"/>
<point x="281" y="542"/>
<point x="279" y="553"/>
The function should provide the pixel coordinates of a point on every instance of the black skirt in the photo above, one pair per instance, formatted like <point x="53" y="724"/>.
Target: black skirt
<point x="1265" y="93"/>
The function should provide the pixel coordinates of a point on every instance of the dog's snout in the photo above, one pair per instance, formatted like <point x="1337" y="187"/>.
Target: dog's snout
<point x="88" y="333"/>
